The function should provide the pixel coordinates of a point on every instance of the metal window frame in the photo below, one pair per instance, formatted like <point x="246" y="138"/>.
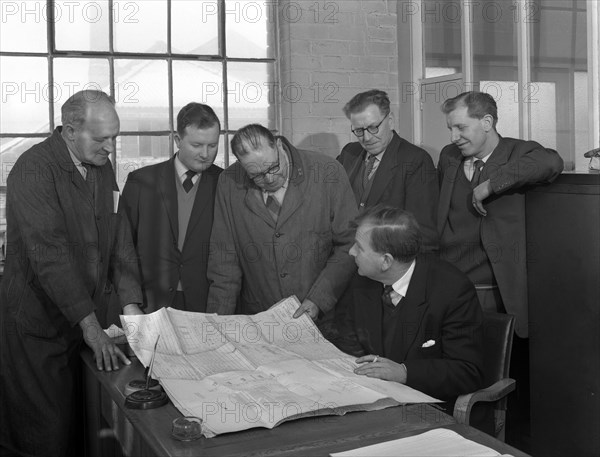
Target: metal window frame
<point x="52" y="53"/>
<point x="524" y="31"/>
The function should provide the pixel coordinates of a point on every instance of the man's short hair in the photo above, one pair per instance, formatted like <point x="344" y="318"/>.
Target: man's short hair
<point x="359" y="102"/>
<point x="478" y="105"/>
<point x="395" y="231"/>
<point x="74" y="110"/>
<point x="250" y="138"/>
<point x="198" y="115"/>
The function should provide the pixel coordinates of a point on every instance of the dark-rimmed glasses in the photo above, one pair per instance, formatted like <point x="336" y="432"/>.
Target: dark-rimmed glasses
<point x="372" y="129"/>
<point x="270" y="171"/>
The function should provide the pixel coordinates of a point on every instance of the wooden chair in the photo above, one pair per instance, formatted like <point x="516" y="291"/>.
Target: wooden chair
<point x="497" y="336"/>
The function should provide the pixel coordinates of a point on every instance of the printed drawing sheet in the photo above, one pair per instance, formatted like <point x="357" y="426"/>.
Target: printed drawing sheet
<point x="238" y="372"/>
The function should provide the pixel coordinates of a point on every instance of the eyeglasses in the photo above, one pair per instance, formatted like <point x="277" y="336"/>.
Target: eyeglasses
<point x="372" y="129"/>
<point x="270" y="171"/>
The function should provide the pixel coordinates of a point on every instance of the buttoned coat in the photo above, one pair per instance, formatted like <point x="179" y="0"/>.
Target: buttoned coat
<point x="439" y="340"/>
<point x="254" y="261"/>
<point x="513" y="167"/>
<point x="150" y="202"/>
<point x="406" y="179"/>
<point x="66" y="246"/>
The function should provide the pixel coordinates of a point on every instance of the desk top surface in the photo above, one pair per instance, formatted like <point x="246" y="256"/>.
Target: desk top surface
<point x="318" y="436"/>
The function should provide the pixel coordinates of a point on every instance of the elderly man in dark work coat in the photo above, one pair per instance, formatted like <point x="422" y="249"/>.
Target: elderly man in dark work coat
<point x="66" y="246"/>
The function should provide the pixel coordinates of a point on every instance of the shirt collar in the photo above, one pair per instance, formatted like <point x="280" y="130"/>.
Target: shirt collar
<point x="77" y="163"/>
<point x="181" y="170"/>
<point x="401" y="286"/>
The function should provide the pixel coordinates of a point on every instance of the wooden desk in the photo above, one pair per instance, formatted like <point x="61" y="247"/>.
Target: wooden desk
<point x="147" y="433"/>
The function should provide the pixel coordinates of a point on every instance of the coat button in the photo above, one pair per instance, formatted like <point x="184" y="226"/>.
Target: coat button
<point x="283" y="275"/>
<point x="277" y="235"/>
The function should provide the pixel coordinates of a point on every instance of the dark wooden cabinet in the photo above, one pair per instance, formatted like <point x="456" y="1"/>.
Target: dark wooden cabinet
<point x="563" y="236"/>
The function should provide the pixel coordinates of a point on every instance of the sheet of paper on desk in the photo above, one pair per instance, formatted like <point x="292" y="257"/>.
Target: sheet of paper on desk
<point x="439" y="442"/>
<point x="239" y="372"/>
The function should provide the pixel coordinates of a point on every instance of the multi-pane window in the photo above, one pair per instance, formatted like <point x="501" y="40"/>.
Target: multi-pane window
<point x="153" y="56"/>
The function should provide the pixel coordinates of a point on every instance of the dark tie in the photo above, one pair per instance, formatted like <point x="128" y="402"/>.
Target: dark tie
<point x="187" y="182"/>
<point x="386" y="297"/>
<point x="89" y="175"/>
<point x="368" y="169"/>
<point x="477" y="166"/>
<point x="273" y="206"/>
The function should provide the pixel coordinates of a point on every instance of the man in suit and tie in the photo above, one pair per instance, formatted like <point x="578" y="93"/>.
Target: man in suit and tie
<point x="170" y="207"/>
<point x="481" y="215"/>
<point x="412" y="318"/>
<point x="281" y="228"/>
<point x="385" y="168"/>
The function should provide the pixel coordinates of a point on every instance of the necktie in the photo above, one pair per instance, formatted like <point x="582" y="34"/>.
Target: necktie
<point x="89" y="175"/>
<point x="273" y="206"/>
<point x="386" y="297"/>
<point x="368" y="169"/>
<point x="477" y="166"/>
<point x="187" y="182"/>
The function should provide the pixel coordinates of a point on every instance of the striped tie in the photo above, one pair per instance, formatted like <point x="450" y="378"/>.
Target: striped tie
<point x="368" y="169"/>
<point x="273" y="206"/>
<point x="477" y="166"/>
<point x="386" y="297"/>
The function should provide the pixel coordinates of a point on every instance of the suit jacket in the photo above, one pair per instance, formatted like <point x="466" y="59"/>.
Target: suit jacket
<point x="150" y="202"/>
<point x="255" y="262"/>
<point x="513" y="167"/>
<point x="406" y="178"/>
<point x="66" y="246"/>
<point x="441" y="305"/>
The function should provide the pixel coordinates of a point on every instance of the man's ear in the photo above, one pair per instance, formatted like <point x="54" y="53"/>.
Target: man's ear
<point x="387" y="261"/>
<point x="487" y="122"/>
<point x="69" y="132"/>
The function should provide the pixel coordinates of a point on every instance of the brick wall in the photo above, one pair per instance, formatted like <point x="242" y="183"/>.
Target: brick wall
<point x="331" y="50"/>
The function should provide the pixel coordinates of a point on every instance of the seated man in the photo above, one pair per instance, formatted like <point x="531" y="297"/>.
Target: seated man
<point x="411" y="318"/>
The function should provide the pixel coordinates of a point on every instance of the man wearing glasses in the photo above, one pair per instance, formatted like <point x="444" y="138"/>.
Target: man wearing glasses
<point x="385" y="168"/>
<point x="281" y="228"/>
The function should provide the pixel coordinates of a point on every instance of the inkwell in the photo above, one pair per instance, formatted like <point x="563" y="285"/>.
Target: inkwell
<point x="149" y="394"/>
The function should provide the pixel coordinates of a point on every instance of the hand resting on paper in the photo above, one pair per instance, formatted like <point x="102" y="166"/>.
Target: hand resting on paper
<point x="377" y="367"/>
<point x="309" y="308"/>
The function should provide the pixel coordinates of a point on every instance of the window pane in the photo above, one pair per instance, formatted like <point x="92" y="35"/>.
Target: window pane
<point x="140" y="26"/>
<point x="81" y="26"/>
<point x="23" y="26"/>
<point x="134" y="152"/>
<point x="220" y="159"/>
<point x="73" y="75"/>
<point x="200" y="82"/>
<point x="494" y="41"/>
<point x="10" y="150"/>
<point x="25" y="95"/>
<point x="251" y="94"/>
<point x="249" y="27"/>
<point x="195" y="27"/>
<point x="441" y="37"/>
<point x="141" y="93"/>
<point x="559" y="52"/>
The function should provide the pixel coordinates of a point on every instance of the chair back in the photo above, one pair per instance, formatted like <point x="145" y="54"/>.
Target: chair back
<point x="497" y="336"/>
